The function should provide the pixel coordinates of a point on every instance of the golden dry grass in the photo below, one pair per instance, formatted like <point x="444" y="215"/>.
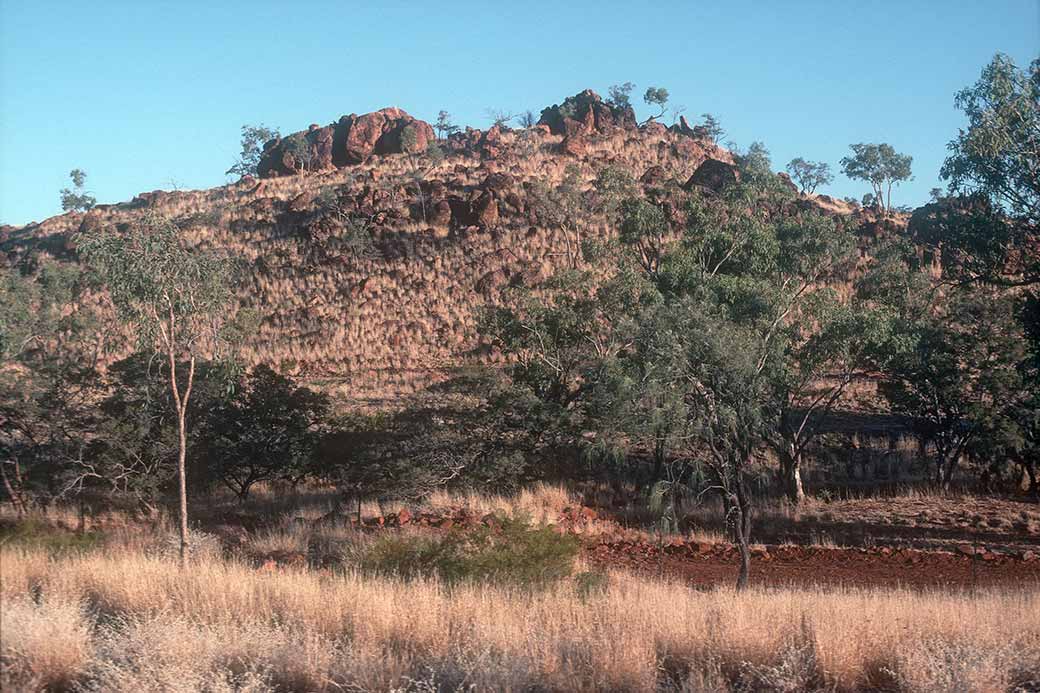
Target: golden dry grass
<point x="127" y="621"/>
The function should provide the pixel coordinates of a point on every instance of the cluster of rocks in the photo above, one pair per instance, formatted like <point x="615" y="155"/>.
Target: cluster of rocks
<point x="352" y="140"/>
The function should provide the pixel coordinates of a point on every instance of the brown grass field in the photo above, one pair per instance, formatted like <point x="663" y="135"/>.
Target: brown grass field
<point x="112" y="611"/>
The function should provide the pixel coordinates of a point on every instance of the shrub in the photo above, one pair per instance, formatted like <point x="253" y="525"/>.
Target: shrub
<point x="506" y="550"/>
<point x="35" y="532"/>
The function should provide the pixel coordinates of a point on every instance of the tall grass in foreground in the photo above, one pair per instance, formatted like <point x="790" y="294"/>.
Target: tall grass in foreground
<point x="124" y="621"/>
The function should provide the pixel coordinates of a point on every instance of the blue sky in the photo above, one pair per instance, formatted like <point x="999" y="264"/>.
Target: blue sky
<point x="149" y="95"/>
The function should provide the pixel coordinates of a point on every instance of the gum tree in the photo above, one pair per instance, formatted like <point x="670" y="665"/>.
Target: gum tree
<point x="658" y="98"/>
<point x="881" y="166"/>
<point x="77" y="199"/>
<point x="174" y="298"/>
<point x="809" y="175"/>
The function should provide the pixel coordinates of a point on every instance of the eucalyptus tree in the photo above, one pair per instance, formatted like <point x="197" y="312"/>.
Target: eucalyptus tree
<point x="881" y="166"/>
<point x="254" y="137"/>
<point x="809" y="175"/>
<point x="77" y="199"/>
<point x="175" y="298"/>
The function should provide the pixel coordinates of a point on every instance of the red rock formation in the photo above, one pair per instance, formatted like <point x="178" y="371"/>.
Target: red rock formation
<point x="352" y="140"/>
<point x="586" y="114"/>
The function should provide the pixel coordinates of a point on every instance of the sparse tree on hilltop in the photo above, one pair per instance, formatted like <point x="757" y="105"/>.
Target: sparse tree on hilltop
<point x="713" y="128"/>
<point x="620" y="95"/>
<point x="809" y="174"/>
<point x="444" y="126"/>
<point x="498" y="117"/>
<point x="881" y="166"/>
<point x="253" y="139"/>
<point x="77" y="199"/>
<point x="299" y="148"/>
<point x="657" y="97"/>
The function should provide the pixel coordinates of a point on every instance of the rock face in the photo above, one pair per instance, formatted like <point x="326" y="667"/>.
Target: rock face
<point x="352" y="140"/>
<point x="586" y="114"/>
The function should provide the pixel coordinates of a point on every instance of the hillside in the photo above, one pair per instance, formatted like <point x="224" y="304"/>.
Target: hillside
<point x="382" y="318"/>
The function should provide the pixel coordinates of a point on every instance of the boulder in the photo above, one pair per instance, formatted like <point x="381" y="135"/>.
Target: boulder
<point x="785" y="180"/>
<point x="714" y="175"/>
<point x="490" y="144"/>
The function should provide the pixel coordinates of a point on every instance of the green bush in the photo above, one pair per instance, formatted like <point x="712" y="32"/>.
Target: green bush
<point x="508" y="550"/>
<point x="37" y="533"/>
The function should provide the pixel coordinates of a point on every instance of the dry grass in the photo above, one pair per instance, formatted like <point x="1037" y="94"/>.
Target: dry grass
<point x="121" y="620"/>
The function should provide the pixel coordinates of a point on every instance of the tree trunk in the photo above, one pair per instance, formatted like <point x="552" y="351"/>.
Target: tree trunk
<point x="182" y="483"/>
<point x="15" y="496"/>
<point x="791" y="471"/>
<point x="741" y="508"/>
<point x="1029" y="471"/>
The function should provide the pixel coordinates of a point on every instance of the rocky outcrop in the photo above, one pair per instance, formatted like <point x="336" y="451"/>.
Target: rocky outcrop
<point x="713" y="175"/>
<point x="587" y="114"/>
<point x="697" y="132"/>
<point x="352" y="140"/>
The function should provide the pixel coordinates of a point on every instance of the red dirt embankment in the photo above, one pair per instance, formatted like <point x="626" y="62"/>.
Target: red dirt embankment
<point x="710" y="564"/>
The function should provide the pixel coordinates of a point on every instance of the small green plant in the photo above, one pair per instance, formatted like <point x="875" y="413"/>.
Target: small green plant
<point x="31" y="532"/>
<point x="590" y="583"/>
<point x="508" y="550"/>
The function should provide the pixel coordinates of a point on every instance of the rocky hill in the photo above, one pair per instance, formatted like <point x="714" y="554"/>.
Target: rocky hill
<point x="369" y="261"/>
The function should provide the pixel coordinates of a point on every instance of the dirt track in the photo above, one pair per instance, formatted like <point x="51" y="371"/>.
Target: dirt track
<point x="705" y="564"/>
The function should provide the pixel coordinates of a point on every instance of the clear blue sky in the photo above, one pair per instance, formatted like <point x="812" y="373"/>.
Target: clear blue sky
<point x="147" y="95"/>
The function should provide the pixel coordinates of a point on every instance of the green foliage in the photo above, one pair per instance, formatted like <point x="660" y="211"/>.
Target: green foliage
<point x="254" y="137"/>
<point x="657" y="97"/>
<point x="77" y="199"/>
<point x="960" y="376"/>
<point x="644" y="228"/>
<point x="565" y="208"/>
<point x="36" y="534"/>
<point x="46" y="378"/>
<point x="444" y="126"/>
<point x="712" y="127"/>
<point x="809" y="174"/>
<point x="299" y="148"/>
<point x="620" y="95"/>
<point x="997" y="153"/>
<point x="880" y="165"/>
<point x="754" y="164"/>
<point x="267" y="429"/>
<point x="507" y="551"/>
<point x="993" y="232"/>
<point x="613" y="185"/>
<point x="169" y="292"/>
